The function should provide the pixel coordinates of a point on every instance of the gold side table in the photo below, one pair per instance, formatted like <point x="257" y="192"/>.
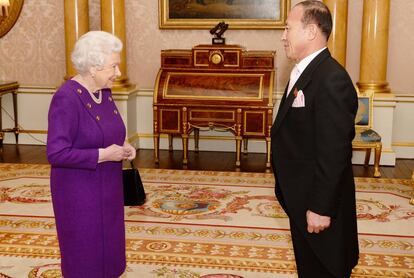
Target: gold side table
<point x="7" y="87"/>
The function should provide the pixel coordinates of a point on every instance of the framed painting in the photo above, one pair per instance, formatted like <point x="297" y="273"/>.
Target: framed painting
<point x="8" y="18"/>
<point x="239" y="14"/>
<point x="363" y="118"/>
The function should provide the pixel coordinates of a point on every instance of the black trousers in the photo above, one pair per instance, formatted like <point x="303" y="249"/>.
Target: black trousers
<point x="307" y="264"/>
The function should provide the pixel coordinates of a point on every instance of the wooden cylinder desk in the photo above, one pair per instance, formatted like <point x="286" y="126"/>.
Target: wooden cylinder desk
<point x="221" y="87"/>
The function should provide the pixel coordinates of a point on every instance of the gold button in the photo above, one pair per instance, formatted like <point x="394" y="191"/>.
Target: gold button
<point x="109" y="98"/>
<point x="79" y="91"/>
<point x="98" y="118"/>
<point x="116" y="112"/>
<point x="89" y="105"/>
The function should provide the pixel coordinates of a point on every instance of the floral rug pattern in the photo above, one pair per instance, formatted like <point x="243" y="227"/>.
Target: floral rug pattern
<point x="202" y="224"/>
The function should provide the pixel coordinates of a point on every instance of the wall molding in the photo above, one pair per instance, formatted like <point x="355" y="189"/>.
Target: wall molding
<point x="403" y="144"/>
<point x="136" y="109"/>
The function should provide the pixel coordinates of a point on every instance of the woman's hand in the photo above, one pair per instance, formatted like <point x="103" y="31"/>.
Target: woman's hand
<point x="129" y="151"/>
<point x="111" y="153"/>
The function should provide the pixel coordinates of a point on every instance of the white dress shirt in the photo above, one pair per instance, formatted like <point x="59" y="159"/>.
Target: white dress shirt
<point x="300" y="67"/>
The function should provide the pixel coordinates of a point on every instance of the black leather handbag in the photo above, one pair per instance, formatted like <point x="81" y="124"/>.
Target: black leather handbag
<point x="134" y="192"/>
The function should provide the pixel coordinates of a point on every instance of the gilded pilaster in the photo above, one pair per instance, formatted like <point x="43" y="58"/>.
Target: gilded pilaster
<point x="76" y="24"/>
<point x="113" y="21"/>
<point x="337" y="40"/>
<point x="374" y="46"/>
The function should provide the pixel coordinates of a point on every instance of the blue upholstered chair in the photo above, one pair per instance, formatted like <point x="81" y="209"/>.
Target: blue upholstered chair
<point x="366" y="138"/>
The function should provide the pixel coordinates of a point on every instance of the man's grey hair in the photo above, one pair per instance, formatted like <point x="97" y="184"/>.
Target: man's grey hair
<point x="92" y="49"/>
<point x="318" y="13"/>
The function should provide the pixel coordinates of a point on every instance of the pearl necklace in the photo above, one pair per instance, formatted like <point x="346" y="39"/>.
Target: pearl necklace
<point x="98" y="99"/>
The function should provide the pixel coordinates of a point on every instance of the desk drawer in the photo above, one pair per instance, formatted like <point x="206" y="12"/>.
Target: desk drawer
<point x="254" y="123"/>
<point x="258" y="62"/>
<point x="170" y="120"/>
<point x="212" y="115"/>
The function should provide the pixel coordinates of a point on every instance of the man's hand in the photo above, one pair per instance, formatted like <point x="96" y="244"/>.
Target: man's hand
<point x="317" y="223"/>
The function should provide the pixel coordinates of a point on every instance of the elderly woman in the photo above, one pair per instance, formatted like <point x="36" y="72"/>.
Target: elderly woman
<point x="85" y="146"/>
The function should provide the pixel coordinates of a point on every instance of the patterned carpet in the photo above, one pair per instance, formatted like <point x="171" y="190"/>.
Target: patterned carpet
<point x="202" y="224"/>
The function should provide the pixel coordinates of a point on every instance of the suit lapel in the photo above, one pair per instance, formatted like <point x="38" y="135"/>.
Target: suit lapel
<point x="301" y="83"/>
<point x="287" y="104"/>
<point x="283" y="97"/>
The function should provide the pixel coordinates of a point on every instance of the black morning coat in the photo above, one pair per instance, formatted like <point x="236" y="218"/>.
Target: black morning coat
<point x="311" y="159"/>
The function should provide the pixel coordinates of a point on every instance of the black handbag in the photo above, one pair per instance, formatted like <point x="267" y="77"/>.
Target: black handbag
<point x="134" y="192"/>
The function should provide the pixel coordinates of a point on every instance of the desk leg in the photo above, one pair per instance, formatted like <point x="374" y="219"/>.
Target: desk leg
<point x="16" y="126"/>
<point x="245" y="142"/>
<point x="170" y="142"/>
<point x="157" y="148"/>
<point x="238" y="150"/>
<point x="184" y="136"/>
<point x="185" y="149"/>
<point x="268" y="149"/>
<point x="239" y="137"/>
<point x="196" y="139"/>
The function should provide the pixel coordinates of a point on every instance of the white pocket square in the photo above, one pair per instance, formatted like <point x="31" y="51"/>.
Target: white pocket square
<point x="299" y="99"/>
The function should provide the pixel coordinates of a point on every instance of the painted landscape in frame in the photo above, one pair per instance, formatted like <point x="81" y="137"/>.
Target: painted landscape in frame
<point x="239" y="14"/>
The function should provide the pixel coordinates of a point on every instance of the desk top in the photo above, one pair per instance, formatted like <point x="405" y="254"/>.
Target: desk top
<point x="8" y="86"/>
<point x="215" y="75"/>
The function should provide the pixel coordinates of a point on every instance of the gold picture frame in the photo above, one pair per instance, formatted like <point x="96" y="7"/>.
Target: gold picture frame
<point x="7" y="22"/>
<point x="364" y="116"/>
<point x="239" y="14"/>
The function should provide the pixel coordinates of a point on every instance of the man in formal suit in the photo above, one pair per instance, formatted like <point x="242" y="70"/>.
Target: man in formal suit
<point x="312" y="148"/>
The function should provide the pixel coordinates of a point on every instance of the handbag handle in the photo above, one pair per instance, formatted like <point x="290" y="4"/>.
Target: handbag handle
<point x="131" y="163"/>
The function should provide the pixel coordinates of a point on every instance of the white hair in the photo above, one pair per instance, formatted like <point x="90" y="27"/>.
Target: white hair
<point x="92" y="49"/>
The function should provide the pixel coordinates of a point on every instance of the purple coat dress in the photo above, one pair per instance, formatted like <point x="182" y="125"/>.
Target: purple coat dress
<point x="87" y="197"/>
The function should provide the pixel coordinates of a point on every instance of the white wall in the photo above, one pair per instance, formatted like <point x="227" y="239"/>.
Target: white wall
<point x="393" y="119"/>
